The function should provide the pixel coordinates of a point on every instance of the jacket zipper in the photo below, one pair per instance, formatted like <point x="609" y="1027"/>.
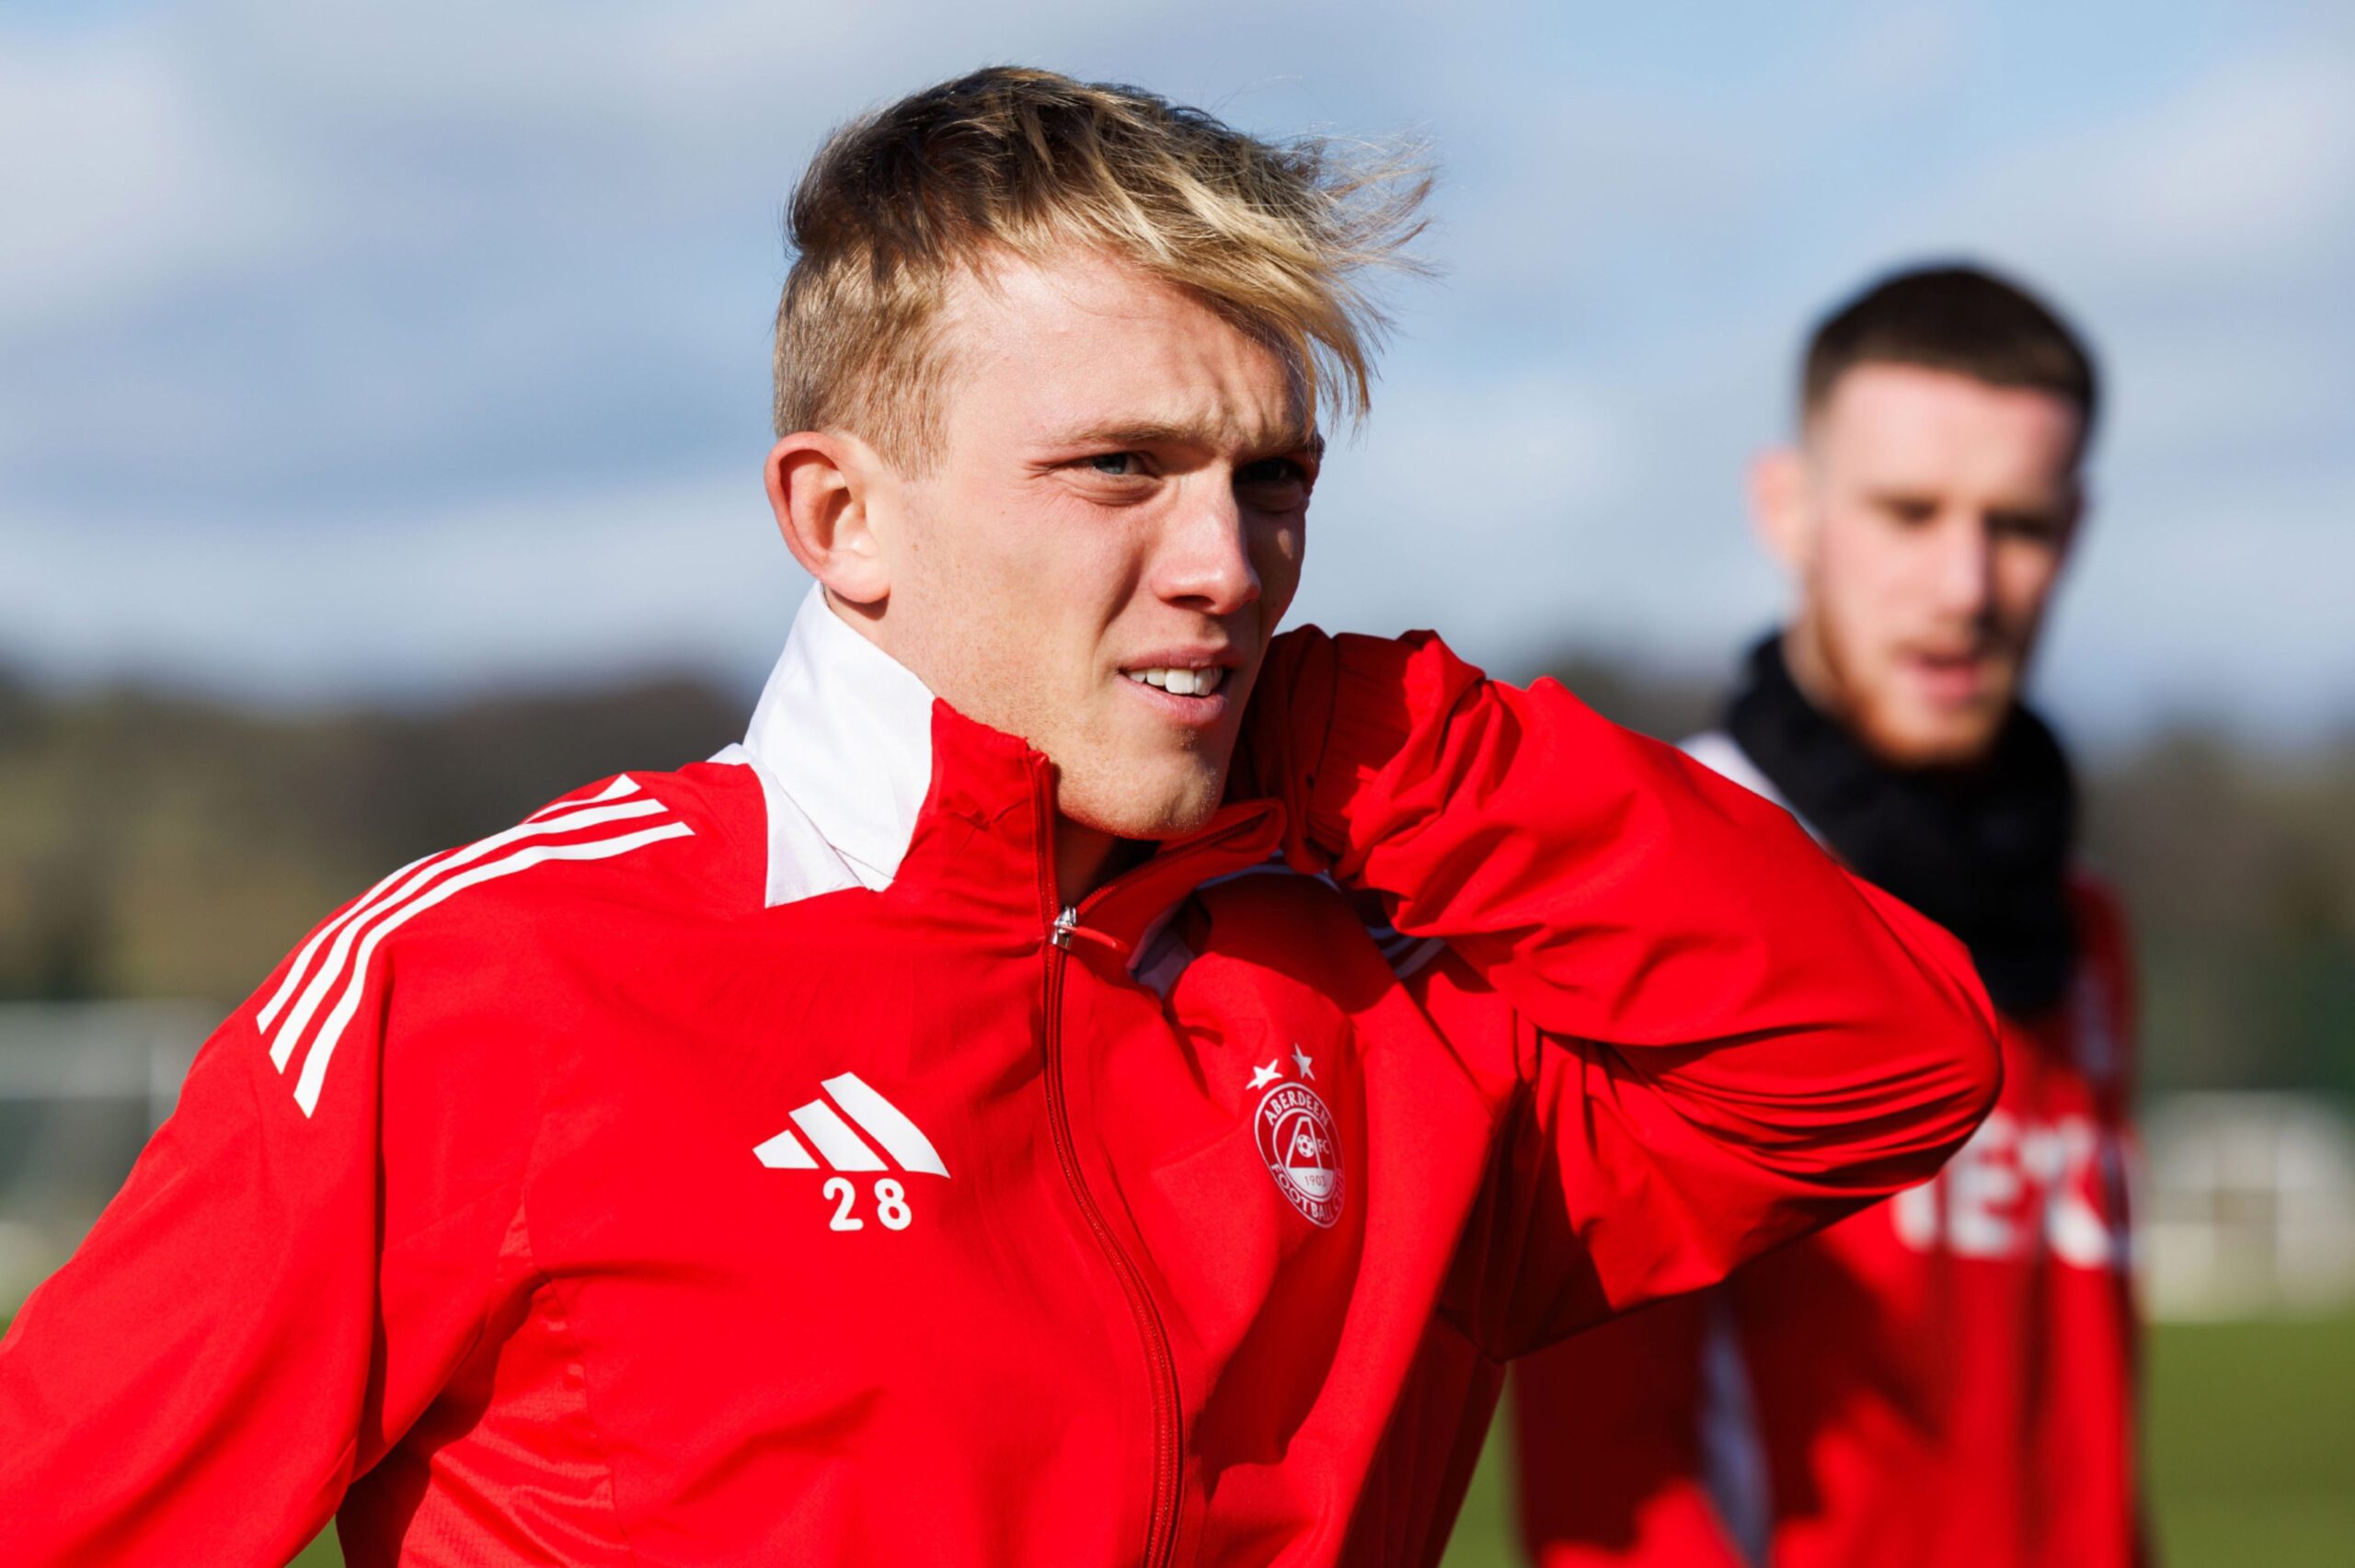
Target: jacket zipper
<point x="1161" y="1528"/>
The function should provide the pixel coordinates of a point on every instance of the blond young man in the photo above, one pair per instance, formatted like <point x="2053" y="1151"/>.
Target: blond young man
<point x="967" y="1123"/>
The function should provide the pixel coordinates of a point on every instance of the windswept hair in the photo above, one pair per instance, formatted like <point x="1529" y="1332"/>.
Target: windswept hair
<point x="1281" y="238"/>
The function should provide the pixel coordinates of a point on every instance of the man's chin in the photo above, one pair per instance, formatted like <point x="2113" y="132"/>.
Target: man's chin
<point x="1938" y="739"/>
<point x="1174" y="810"/>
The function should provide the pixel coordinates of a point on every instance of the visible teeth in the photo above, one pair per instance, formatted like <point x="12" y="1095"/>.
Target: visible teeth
<point x="1180" y="682"/>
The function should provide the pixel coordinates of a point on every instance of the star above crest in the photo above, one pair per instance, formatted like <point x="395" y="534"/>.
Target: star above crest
<point x="1263" y="1076"/>
<point x="1301" y="1058"/>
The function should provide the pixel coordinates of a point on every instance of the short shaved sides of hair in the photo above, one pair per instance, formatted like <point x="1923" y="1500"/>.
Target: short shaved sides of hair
<point x="1954" y="317"/>
<point x="1284" y="239"/>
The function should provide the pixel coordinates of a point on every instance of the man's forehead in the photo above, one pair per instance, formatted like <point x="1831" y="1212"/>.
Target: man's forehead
<point x="1912" y="424"/>
<point x="1093" y="349"/>
<point x="1890" y="398"/>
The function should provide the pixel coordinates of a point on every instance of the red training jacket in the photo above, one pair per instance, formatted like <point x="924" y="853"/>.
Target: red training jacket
<point x="751" y="1163"/>
<point x="1949" y="1378"/>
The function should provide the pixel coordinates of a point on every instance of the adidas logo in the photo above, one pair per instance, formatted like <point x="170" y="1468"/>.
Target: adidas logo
<point x="837" y="1141"/>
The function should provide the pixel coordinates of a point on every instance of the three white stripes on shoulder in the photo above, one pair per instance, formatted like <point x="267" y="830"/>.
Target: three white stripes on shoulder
<point x="554" y="833"/>
<point x="352" y="938"/>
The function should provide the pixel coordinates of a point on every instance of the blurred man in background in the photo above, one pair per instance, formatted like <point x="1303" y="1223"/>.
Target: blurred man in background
<point x="1948" y="1376"/>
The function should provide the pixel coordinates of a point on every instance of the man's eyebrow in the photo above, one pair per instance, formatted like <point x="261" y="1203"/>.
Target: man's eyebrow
<point x="1152" y="433"/>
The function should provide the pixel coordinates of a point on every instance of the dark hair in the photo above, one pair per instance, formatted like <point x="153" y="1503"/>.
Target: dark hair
<point x="1958" y="318"/>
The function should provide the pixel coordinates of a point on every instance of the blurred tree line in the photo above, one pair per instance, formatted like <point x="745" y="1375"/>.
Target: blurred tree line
<point x="163" y="846"/>
<point x="154" y="845"/>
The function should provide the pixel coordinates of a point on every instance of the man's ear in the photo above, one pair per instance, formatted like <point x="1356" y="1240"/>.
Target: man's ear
<point x="823" y="489"/>
<point x="1778" y="505"/>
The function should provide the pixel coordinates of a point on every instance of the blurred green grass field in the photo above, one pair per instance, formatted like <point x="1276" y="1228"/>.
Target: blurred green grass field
<point x="2252" y="1451"/>
<point x="2252" y="1438"/>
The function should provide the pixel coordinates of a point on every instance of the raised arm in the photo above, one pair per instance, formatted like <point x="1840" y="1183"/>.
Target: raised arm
<point x="1736" y="1041"/>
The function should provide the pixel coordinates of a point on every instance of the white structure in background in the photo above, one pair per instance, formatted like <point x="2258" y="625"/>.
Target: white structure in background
<point x="82" y="1084"/>
<point x="2250" y="1210"/>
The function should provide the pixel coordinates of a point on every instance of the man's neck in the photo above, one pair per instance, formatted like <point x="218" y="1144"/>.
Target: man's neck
<point x="1086" y="858"/>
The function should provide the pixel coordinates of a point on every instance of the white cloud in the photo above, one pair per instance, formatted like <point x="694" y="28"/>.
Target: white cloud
<point x="158" y="150"/>
<point x="1486" y="491"/>
<point x="557" y="587"/>
<point x="2251" y="175"/>
<point x="2237" y="593"/>
<point x="2240" y="177"/>
<point x="118" y="180"/>
<point x="1898" y="52"/>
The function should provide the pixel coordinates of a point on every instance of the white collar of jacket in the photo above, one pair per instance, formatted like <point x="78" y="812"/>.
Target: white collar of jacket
<point x="845" y="742"/>
<point x="842" y="740"/>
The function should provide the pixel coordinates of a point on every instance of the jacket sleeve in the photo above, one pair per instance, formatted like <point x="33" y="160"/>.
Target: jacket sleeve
<point x="274" y="1295"/>
<point x="1608" y="1431"/>
<point x="1730" y="1041"/>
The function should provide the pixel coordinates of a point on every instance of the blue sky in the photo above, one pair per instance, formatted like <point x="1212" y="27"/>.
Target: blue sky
<point x="404" y="352"/>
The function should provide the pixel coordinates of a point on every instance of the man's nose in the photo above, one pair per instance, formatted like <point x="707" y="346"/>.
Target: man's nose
<point x="1965" y="569"/>
<point x="1204" y="562"/>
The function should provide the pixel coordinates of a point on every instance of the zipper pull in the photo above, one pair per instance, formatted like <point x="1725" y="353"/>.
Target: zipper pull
<point x="1065" y="924"/>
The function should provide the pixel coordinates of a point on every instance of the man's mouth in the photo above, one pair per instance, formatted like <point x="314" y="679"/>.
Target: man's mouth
<point x="1181" y="682"/>
<point x="1953" y="677"/>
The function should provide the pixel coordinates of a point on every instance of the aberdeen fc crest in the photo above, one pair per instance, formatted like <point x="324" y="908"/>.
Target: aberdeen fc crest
<point x="1298" y="1141"/>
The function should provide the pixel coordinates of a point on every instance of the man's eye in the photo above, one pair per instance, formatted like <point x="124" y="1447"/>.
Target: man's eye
<point x="1277" y="483"/>
<point x="1120" y="464"/>
<point x="2032" y="527"/>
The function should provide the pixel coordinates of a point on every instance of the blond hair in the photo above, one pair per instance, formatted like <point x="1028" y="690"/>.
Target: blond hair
<point x="1278" y="237"/>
